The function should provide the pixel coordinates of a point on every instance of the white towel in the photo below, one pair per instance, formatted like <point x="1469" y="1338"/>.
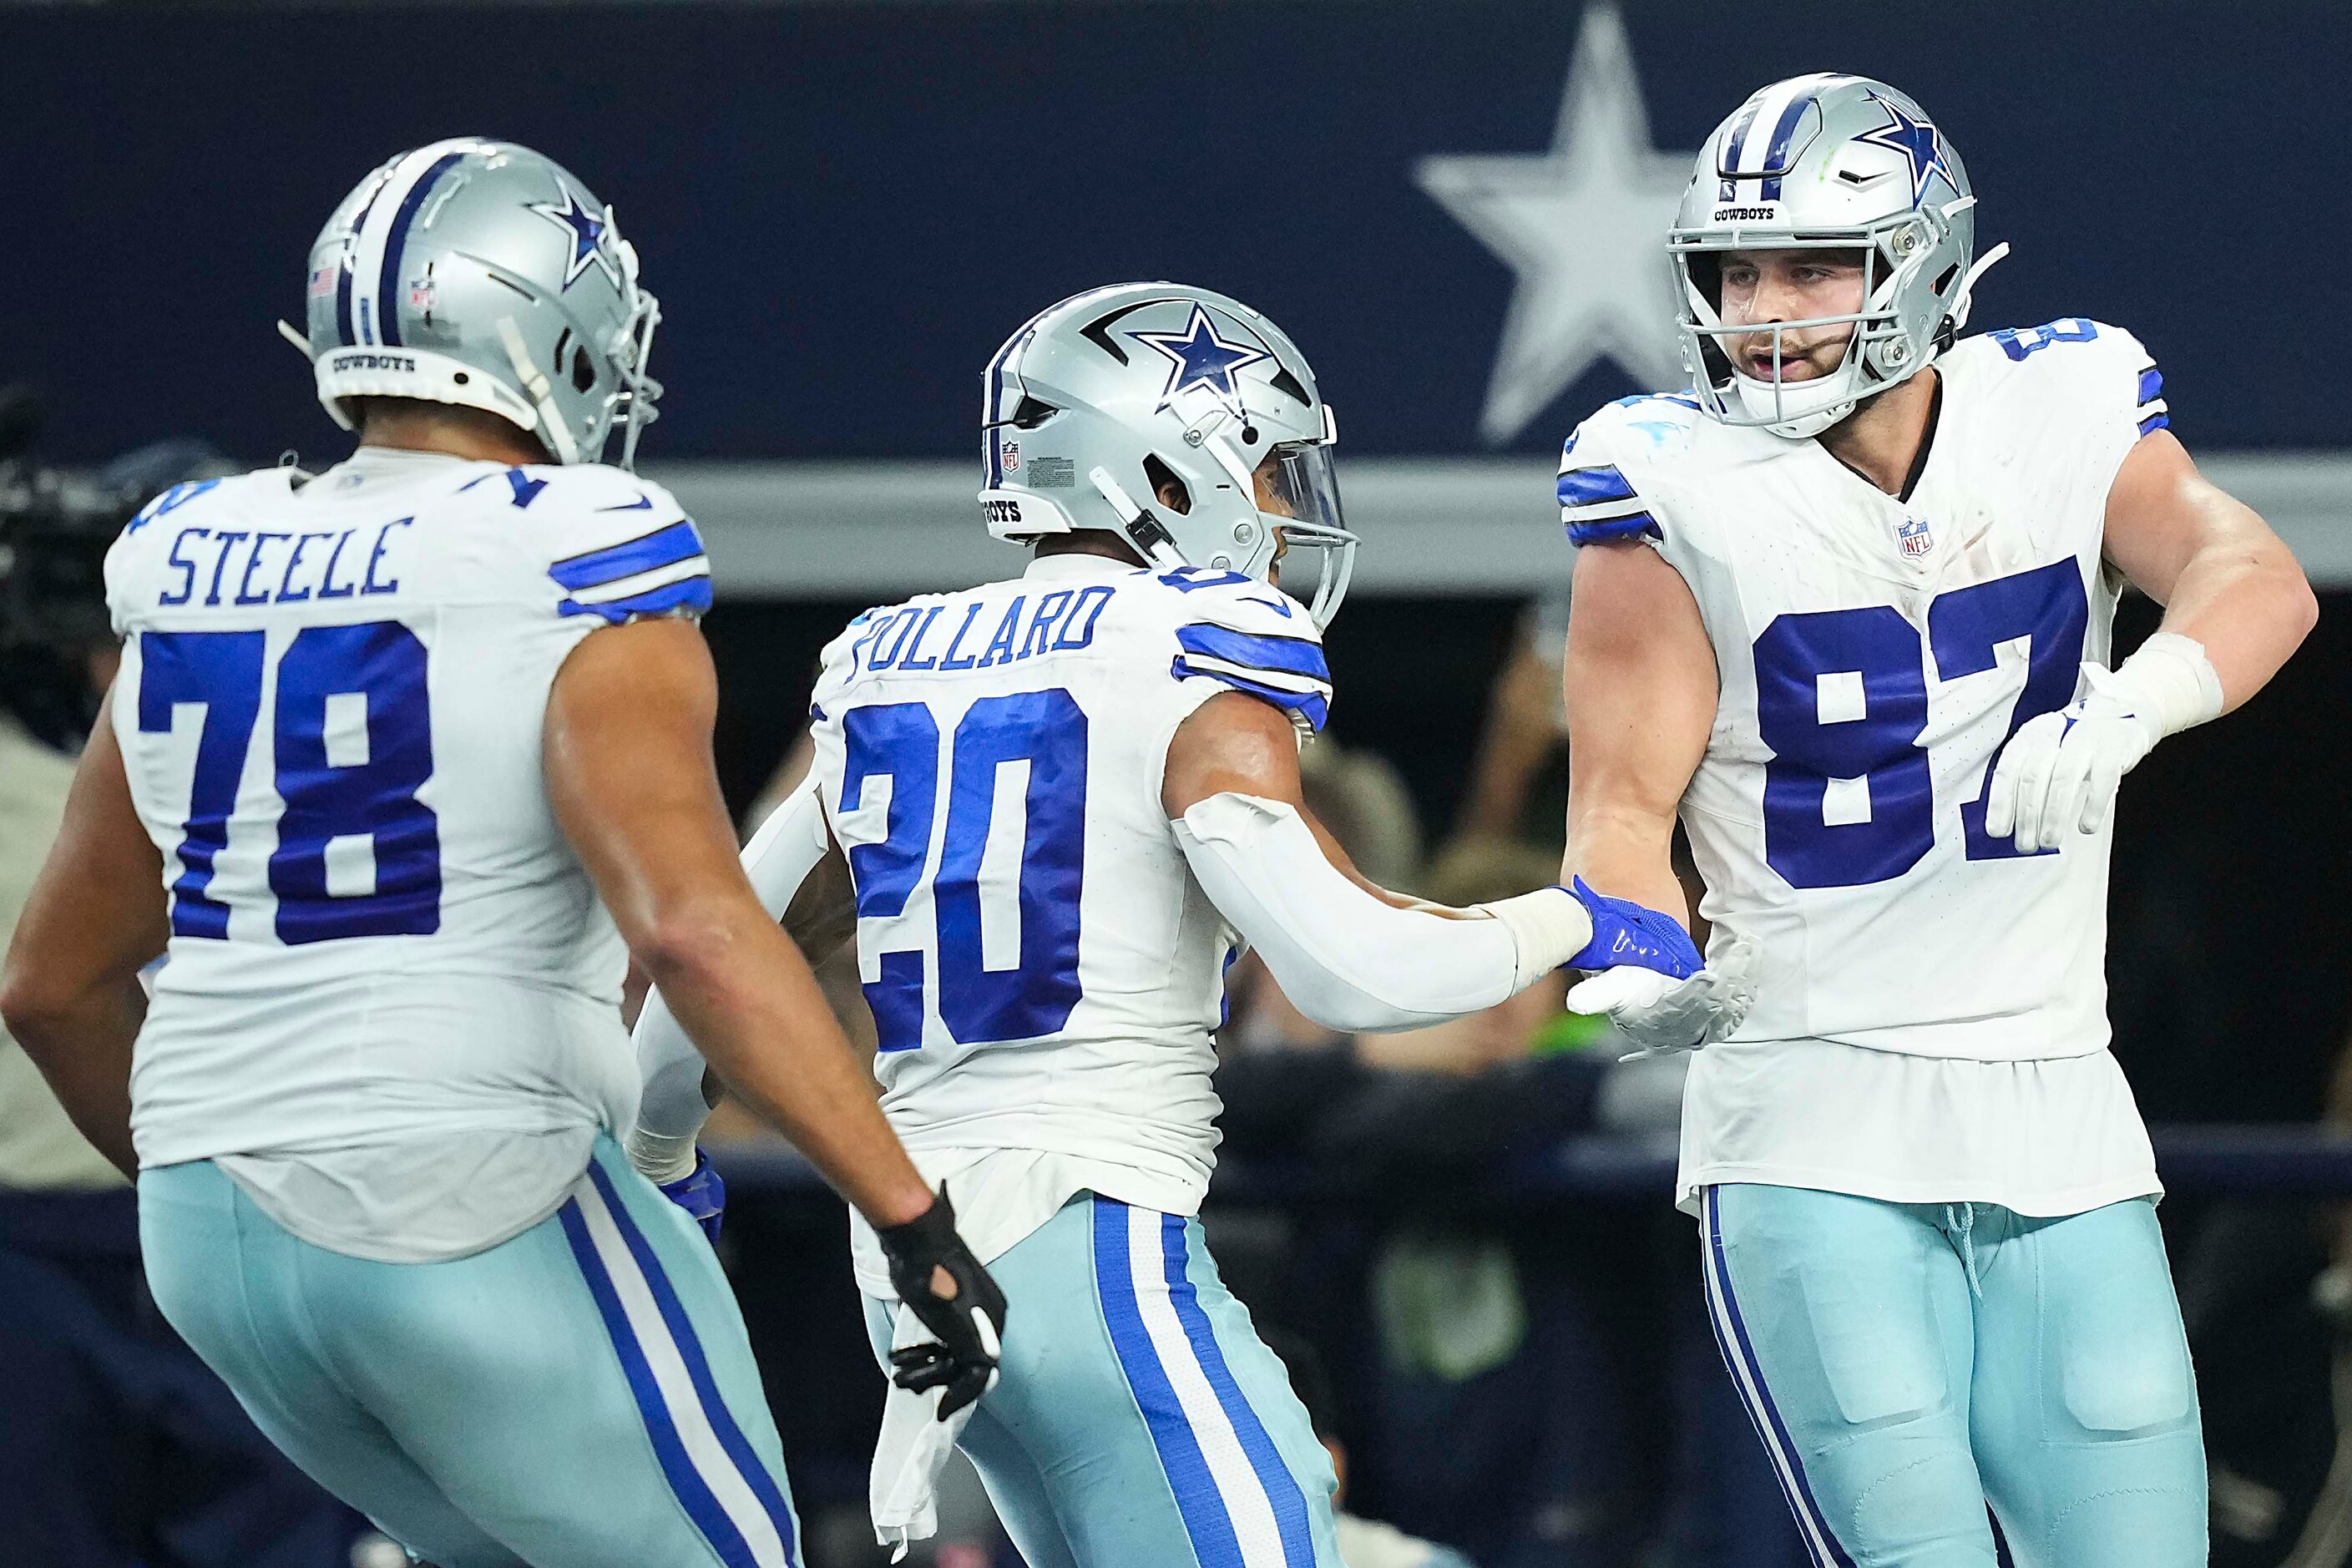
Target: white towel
<point x="902" y="1493"/>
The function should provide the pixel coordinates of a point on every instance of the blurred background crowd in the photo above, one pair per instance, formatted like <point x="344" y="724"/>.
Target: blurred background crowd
<point x="1461" y="1239"/>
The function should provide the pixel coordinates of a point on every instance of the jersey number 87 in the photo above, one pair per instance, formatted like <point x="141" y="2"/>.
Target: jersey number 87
<point x="1843" y="695"/>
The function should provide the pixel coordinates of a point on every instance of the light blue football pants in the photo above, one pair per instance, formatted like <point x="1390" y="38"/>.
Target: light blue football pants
<point x="1908" y="1363"/>
<point x="1139" y="1422"/>
<point x="580" y="1397"/>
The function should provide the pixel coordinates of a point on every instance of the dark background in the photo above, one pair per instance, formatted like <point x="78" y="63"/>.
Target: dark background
<point x="845" y="207"/>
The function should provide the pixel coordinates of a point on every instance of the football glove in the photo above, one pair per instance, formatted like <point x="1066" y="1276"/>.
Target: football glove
<point x="1660" y="1014"/>
<point x="2058" y="774"/>
<point x="701" y="1193"/>
<point x="1625" y="932"/>
<point x="969" y="1324"/>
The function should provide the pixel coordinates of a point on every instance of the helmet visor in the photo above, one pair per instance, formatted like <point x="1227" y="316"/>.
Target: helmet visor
<point x="1299" y="486"/>
<point x="1298" y="493"/>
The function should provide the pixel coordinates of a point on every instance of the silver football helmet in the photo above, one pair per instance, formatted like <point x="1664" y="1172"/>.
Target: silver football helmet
<point x="1097" y="403"/>
<point x="485" y="274"/>
<point x="1828" y="162"/>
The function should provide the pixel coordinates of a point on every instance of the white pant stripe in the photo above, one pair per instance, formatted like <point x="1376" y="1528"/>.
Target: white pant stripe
<point x="1750" y="1383"/>
<point x="703" y="1448"/>
<point x="1246" y="1504"/>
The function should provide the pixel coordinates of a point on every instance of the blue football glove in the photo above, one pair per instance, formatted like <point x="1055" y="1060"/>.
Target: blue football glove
<point x="1625" y="932"/>
<point x="701" y="1193"/>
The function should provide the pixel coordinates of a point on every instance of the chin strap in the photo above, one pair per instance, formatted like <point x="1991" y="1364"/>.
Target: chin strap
<point x="1150" y="539"/>
<point x="535" y="386"/>
<point x="1964" y="297"/>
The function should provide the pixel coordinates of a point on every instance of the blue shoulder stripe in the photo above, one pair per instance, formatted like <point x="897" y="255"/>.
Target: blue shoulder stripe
<point x="2151" y="383"/>
<point x="1631" y="527"/>
<point x="662" y="547"/>
<point x="2155" y="422"/>
<point x="1592" y="487"/>
<point x="1313" y="707"/>
<point x="1291" y="655"/>
<point x="686" y="593"/>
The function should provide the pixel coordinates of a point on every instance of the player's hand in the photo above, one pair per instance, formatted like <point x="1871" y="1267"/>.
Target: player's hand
<point x="1625" y="932"/>
<point x="2059" y="771"/>
<point x="1659" y="1014"/>
<point x="925" y="1254"/>
<point x="701" y="1193"/>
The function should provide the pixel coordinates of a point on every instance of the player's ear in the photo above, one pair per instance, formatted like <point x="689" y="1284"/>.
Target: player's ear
<point x="1167" y="487"/>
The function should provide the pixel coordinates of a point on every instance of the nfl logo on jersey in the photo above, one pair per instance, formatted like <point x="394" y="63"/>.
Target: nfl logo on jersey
<point x="1912" y="533"/>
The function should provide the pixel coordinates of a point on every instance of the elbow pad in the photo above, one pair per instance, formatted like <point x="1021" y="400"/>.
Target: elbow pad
<point x="1343" y="957"/>
<point x="671" y="1108"/>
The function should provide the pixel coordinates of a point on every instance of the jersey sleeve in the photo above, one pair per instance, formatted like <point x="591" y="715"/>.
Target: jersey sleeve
<point x="130" y="560"/>
<point x="1237" y="633"/>
<point x="618" y="547"/>
<point x="2101" y="371"/>
<point x="1600" y="495"/>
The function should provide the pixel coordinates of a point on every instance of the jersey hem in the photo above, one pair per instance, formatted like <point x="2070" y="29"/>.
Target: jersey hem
<point x="1689" y="1185"/>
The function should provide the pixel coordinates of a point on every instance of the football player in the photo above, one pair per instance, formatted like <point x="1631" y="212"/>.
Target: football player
<point x="404" y="763"/>
<point x="1846" y="608"/>
<point x="1051" y="810"/>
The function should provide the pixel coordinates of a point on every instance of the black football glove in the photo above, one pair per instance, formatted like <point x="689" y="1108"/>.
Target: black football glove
<point x="970" y="1324"/>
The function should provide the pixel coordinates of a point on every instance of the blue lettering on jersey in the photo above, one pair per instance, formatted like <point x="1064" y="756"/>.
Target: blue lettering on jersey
<point x="1041" y="624"/>
<point x="247" y="554"/>
<point x="915" y="645"/>
<point x="1063" y="622"/>
<point x="1000" y="647"/>
<point x="949" y="660"/>
<point x="170" y="501"/>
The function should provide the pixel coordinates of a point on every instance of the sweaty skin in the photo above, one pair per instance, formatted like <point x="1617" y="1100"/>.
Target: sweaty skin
<point x="630" y="778"/>
<point x="1639" y="670"/>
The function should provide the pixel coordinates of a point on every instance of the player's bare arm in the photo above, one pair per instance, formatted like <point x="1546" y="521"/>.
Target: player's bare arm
<point x="1641" y="687"/>
<point x="629" y="773"/>
<point x="70" y="990"/>
<point x="2223" y="576"/>
<point x="2236" y="605"/>
<point x="1237" y="744"/>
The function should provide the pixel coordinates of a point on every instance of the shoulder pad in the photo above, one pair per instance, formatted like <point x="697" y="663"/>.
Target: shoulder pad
<point x="1599" y="499"/>
<point x="1250" y="637"/>
<point x="2105" y="367"/>
<point x="620" y="547"/>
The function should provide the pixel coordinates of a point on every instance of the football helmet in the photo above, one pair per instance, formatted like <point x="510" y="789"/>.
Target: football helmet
<point x="1827" y="161"/>
<point x="1097" y="403"/>
<point x="484" y="274"/>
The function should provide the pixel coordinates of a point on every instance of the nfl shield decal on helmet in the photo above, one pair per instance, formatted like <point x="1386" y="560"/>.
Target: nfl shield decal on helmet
<point x="1915" y="536"/>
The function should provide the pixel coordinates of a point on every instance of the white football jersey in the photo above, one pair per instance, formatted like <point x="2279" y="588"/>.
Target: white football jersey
<point x="1873" y="653"/>
<point x="1043" y="972"/>
<point x="330" y="708"/>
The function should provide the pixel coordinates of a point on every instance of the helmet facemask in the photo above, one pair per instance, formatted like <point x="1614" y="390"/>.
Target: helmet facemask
<point x="1880" y="353"/>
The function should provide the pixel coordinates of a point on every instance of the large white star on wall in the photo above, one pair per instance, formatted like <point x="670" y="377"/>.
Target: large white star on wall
<point x="1583" y="225"/>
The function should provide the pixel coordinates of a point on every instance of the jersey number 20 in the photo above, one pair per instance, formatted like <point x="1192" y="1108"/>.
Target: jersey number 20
<point x="352" y="744"/>
<point x="1025" y="751"/>
<point x="1866" y="726"/>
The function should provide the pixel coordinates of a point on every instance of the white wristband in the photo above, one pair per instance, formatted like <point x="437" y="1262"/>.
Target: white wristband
<point x="2169" y="684"/>
<point x="1548" y="926"/>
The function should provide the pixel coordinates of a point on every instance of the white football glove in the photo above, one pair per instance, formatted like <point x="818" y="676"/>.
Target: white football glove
<point x="1659" y="1014"/>
<point x="2059" y="771"/>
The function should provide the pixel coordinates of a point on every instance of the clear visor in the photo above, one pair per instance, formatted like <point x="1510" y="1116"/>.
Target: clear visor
<point x="1298" y="491"/>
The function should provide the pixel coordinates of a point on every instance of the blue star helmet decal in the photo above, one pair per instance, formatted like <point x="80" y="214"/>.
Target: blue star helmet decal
<point x="586" y="230"/>
<point x="1917" y="141"/>
<point x="1198" y="357"/>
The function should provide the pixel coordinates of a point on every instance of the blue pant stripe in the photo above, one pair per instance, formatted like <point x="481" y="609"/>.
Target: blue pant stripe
<point x="1206" y="1522"/>
<point x="1282" y="1491"/>
<point x="1778" y="1434"/>
<point x="701" y="1506"/>
<point x="690" y="1348"/>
